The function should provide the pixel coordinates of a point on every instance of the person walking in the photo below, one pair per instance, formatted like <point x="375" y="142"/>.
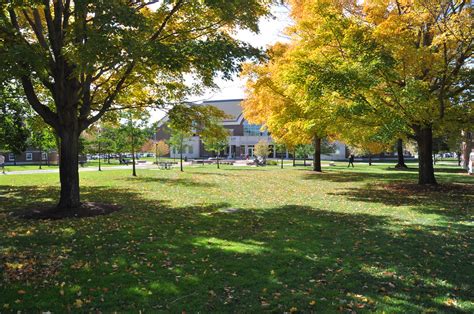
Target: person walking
<point x="351" y="161"/>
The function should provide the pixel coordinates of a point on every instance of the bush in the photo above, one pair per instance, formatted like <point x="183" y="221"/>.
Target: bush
<point x="272" y="163"/>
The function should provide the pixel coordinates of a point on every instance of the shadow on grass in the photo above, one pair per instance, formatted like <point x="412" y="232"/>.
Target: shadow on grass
<point x="337" y="175"/>
<point x="454" y="170"/>
<point x="154" y="256"/>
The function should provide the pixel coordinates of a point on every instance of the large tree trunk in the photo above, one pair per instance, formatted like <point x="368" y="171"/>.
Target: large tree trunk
<point x="401" y="159"/>
<point x="317" y="154"/>
<point x="68" y="169"/>
<point x="424" y="138"/>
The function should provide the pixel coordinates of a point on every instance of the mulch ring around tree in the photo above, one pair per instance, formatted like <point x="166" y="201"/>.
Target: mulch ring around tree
<point x="87" y="209"/>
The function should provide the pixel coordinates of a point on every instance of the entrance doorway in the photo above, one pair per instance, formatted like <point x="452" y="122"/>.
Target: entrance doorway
<point x="250" y="151"/>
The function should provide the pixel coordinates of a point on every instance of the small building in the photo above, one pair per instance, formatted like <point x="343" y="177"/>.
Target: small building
<point x="243" y="136"/>
<point x="31" y="156"/>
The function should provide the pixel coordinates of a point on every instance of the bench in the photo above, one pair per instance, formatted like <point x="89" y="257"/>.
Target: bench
<point x="165" y="165"/>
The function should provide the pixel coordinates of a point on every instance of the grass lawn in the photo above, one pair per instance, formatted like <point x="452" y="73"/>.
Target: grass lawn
<point x="243" y="240"/>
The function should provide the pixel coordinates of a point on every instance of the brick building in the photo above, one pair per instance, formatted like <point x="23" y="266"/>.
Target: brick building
<point x="242" y="139"/>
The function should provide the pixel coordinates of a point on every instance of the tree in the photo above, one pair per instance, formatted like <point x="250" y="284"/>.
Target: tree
<point x="400" y="155"/>
<point x="261" y="150"/>
<point x="41" y="137"/>
<point x="133" y="134"/>
<point x="13" y="114"/>
<point x="148" y="147"/>
<point x="280" y="148"/>
<point x="278" y="100"/>
<point x="304" y="151"/>
<point x="215" y="139"/>
<point x="186" y="120"/>
<point x="99" y="140"/>
<point x="406" y="59"/>
<point x="177" y="143"/>
<point x="80" y="59"/>
<point x="161" y="149"/>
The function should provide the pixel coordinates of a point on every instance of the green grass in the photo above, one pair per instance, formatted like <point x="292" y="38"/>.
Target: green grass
<point x="348" y="239"/>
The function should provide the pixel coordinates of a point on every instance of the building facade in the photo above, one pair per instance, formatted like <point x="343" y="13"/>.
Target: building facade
<point x="243" y="136"/>
<point x="31" y="157"/>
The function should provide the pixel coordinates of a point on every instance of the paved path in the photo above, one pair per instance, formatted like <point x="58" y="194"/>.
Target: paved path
<point x="88" y="169"/>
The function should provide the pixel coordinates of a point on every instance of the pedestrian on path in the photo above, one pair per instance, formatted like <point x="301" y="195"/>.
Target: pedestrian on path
<point x="351" y="161"/>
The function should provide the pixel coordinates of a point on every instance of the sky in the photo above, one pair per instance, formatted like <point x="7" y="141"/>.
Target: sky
<point x="271" y="31"/>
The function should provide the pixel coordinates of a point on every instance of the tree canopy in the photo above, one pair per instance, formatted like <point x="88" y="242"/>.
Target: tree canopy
<point x="80" y="59"/>
<point x="383" y="69"/>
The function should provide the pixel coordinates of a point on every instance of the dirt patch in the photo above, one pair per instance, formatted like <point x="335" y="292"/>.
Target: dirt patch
<point x="87" y="209"/>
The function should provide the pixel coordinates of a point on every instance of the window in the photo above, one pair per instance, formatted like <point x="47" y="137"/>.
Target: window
<point x="44" y="156"/>
<point x="253" y="130"/>
<point x="190" y="149"/>
<point x="29" y="156"/>
<point x="11" y="156"/>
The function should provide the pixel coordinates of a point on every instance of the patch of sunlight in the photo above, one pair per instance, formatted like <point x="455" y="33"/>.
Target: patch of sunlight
<point x="164" y="287"/>
<point x="140" y="291"/>
<point x="250" y="247"/>
<point x="119" y="261"/>
<point x="398" y="301"/>
<point x="74" y="289"/>
<point x="68" y="231"/>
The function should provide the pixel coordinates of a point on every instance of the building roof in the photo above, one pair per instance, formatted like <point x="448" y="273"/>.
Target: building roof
<point x="230" y="107"/>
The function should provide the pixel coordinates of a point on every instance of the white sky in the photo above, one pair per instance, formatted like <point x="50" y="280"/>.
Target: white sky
<point x="271" y="31"/>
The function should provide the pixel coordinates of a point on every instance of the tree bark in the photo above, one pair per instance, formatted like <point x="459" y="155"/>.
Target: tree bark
<point x="134" y="173"/>
<point x="401" y="159"/>
<point x="282" y="161"/>
<point x="370" y="159"/>
<point x="424" y="138"/>
<point x="100" y="169"/>
<point x="317" y="154"/>
<point x="294" y="158"/>
<point x="68" y="169"/>
<point x="181" y="158"/>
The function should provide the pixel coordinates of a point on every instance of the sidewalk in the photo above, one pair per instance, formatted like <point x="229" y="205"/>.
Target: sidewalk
<point x="88" y="169"/>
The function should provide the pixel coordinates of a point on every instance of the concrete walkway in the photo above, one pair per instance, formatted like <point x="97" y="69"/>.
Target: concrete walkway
<point x="88" y="169"/>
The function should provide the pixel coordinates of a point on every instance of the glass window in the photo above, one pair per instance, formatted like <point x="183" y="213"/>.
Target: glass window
<point x="253" y="130"/>
<point x="11" y="156"/>
<point x="29" y="156"/>
<point x="190" y="149"/>
<point x="44" y="156"/>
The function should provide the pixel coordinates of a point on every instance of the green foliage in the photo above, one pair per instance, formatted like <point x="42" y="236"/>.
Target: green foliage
<point x="14" y="132"/>
<point x="261" y="149"/>
<point x="42" y="137"/>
